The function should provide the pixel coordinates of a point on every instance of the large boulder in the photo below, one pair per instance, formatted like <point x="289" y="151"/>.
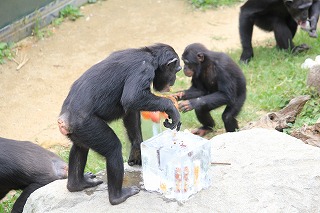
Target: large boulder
<point x="313" y="78"/>
<point x="256" y="170"/>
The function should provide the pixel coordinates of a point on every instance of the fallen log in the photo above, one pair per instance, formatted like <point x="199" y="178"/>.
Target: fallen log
<point x="309" y="134"/>
<point x="286" y="116"/>
<point x="283" y="118"/>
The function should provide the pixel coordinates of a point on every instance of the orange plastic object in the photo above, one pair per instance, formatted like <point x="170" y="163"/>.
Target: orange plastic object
<point x="156" y="116"/>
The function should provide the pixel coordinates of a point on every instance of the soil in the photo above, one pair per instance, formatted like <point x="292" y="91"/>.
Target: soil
<point x="31" y="97"/>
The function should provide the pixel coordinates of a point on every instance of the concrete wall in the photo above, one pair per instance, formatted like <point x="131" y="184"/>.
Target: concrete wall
<point x="18" y="17"/>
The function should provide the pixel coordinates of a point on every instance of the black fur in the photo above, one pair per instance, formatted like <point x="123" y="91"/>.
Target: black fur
<point x="281" y="17"/>
<point x="216" y="81"/>
<point x="27" y="166"/>
<point x="117" y="87"/>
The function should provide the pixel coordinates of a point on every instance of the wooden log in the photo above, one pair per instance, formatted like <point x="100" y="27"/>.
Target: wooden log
<point x="308" y="134"/>
<point x="281" y="119"/>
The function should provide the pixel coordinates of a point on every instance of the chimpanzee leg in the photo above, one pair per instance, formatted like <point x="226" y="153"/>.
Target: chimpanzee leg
<point x="207" y="122"/>
<point x="293" y="26"/>
<point x="77" y="181"/>
<point x="97" y="135"/>
<point x="203" y="105"/>
<point x="205" y="118"/>
<point x="20" y="202"/>
<point x="132" y="122"/>
<point x="229" y="118"/>
<point x="115" y="171"/>
<point x="283" y="34"/>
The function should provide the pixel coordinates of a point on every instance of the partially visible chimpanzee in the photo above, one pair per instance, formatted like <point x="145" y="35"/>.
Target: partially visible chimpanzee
<point x="216" y="81"/>
<point x="27" y="166"/>
<point x="280" y="16"/>
<point x="117" y="87"/>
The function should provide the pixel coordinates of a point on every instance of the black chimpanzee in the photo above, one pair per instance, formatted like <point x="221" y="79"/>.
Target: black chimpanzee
<point x="117" y="87"/>
<point x="216" y="80"/>
<point x="27" y="166"/>
<point x="280" y="16"/>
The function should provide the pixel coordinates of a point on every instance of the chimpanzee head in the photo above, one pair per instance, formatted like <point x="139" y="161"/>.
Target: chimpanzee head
<point x="168" y="66"/>
<point x="193" y="56"/>
<point x="299" y="10"/>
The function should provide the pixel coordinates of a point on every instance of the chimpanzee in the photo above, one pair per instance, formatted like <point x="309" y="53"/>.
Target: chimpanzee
<point x="216" y="80"/>
<point x="27" y="166"/>
<point x="117" y="87"/>
<point x="280" y="16"/>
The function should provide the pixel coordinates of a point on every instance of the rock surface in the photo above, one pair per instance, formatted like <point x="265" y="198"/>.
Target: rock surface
<point x="313" y="78"/>
<point x="265" y="171"/>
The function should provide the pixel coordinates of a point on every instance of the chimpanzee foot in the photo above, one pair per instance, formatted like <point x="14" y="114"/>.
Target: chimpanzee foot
<point x="135" y="157"/>
<point x="202" y="131"/>
<point x="125" y="193"/>
<point x="89" y="175"/>
<point x="87" y="182"/>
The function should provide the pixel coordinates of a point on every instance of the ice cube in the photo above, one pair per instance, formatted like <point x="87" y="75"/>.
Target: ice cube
<point x="176" y="164"/>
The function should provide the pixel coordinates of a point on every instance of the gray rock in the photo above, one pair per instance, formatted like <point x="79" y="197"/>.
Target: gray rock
<point x="255" y="170"/>
<point x="313" y="78"/>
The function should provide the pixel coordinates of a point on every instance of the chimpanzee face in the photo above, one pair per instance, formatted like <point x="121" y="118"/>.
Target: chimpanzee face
<point x="165" y="75"/>
<point x="192" y="60"/>
<point x="298" y="9"/>
<point x="189" y="69"/>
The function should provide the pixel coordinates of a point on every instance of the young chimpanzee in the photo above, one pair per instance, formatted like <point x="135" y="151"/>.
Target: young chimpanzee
<point x="27" y="166"/>
<point x="216" y="81"/>
<point x="117" y="87"/>
<point x="280" y="16"/>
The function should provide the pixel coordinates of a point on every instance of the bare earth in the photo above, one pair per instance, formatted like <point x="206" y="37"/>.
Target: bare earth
<point x="31" y="98"/>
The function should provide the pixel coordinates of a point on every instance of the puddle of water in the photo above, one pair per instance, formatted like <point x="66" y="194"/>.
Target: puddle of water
<point x="131" y="178"/>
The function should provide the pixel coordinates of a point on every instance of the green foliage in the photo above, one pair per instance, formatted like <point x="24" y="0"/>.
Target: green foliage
<point x="212" y="3"/>
<point x="274" y="77"/>
<point x="6" y="51"/>
<point x="40" y="32"/>
<point x="57" y="21"/>
<point x="70" y="12"/>
<point x="310" y="113"/>
<point x="6" y="206"/>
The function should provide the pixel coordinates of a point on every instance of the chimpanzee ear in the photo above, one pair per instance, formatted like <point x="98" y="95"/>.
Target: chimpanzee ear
<point x="172" y="61"/>
<point x="200" y="57"/>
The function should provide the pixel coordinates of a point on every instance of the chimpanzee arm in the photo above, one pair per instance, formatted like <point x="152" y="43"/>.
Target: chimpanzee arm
<point x="210" y="102"/>
<point x="196" y="90"/>
<point x="191" y="93"/>
<point x="20" y="202"/>
<point x="314" y="17"/>
<point x="132" y="123"/>
<point x="137" y="96"/>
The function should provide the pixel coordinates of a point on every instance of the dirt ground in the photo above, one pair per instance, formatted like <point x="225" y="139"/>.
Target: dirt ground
<point x="31" y="98"/>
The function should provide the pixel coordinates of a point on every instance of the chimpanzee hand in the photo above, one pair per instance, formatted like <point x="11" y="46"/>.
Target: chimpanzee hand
<point x="175" y="117"/>
<point x="185" y="106"/>
<point x="178" y="95"/>
<point x="313" y="26"/>
<point x="300" y="48"/>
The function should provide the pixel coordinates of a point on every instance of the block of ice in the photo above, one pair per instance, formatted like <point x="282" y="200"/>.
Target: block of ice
<point x="176" y="164"/>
